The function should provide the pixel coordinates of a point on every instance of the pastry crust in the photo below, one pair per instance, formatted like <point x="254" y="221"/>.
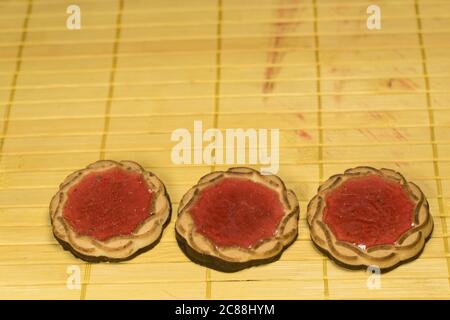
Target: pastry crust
<point x="118" y="248"/>
<point x="229" y="259"/>
<point x="386" y="257"/>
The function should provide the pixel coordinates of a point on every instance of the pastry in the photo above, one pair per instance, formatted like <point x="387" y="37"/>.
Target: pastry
<point x="236" y="219"/>
<point x="368" y="217"/>
<point x="110" y="211"/>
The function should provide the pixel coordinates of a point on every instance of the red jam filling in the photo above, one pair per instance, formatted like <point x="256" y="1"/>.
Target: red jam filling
<point x="369" y="211"/>
<point x="237" y="212"/>
<point x="108" y="203"/>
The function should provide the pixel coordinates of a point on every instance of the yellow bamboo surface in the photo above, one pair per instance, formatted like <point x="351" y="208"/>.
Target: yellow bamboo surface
<point x="340" y="94"/>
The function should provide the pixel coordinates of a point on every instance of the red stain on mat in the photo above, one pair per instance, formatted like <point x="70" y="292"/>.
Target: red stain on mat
<point x="397" y="164"/>
<point x="401" y="84"/>
<point x="284" y="24"/>
<point x="303" y="134"/>
<point x="398" y="135"/>
<point x="369" y="134"/>
<point x="338" y="86"/>
<point x="381" y="115"/>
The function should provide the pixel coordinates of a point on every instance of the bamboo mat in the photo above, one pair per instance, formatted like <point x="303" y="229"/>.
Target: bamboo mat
<point x="341" y="95"/>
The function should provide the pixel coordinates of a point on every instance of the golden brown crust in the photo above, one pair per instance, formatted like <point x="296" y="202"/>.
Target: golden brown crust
<point x="408" y="246"/>
<point x="117" y="248"/>
<point x="286" y="231"/>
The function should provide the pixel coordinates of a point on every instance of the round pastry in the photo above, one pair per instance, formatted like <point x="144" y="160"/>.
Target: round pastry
<point x="369" y="217"/>
<point x="237" y="219"/>
<point x="110" y="211"/>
